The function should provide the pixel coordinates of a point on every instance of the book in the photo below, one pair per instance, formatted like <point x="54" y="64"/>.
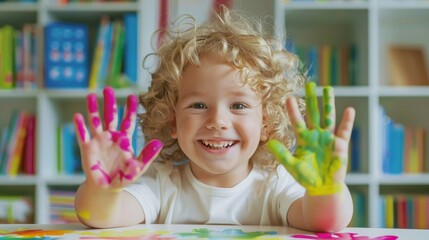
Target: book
<point x="407" y="66"/>
<point x="7" y="43"/>
<point x="70" y="155"/>
<point x="115" y="64"/>
<point x="29" y="158"/>
<point x="99" y="52"/>
<point x="66" y="51"/>
<point x="11" y="131"/>
<point x="131" y="46"/>
<point x="16" y="147"/>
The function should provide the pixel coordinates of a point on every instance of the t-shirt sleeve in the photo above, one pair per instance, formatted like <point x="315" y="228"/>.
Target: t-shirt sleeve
<point x="146" y="190"/>
<point x="290" y="191"/>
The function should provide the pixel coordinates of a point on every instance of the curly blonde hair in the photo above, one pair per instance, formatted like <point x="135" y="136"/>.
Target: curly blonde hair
<point x="263" y="64"/>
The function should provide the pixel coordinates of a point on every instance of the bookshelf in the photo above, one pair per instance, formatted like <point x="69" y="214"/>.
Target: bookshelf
<point x="55" y="106"/>
<point x="371" y="25"/>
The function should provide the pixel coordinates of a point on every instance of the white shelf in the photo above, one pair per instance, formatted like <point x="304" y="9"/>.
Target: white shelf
<point x="94" y="7"/>
<point x="404" y="179"/>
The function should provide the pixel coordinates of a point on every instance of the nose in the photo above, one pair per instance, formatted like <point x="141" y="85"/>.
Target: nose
<point x="218" y="119"/>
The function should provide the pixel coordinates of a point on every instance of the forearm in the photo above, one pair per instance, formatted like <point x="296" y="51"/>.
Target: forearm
<point x="328" y="213"/>
<point x="99" y="208"/>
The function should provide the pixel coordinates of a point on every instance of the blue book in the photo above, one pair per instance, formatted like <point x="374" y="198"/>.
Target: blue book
<point x="396" y="148"/>
<point x="130" y="53"/>
<point x="137" y="134"/>
<point x="107" y="52"/>
<point x="385" y="128"/>
<point x="382" y="211"/>
<point x="66" y="51"/>
<point x="355" y="150"/>
<point x="313" y="63"/>
<point x="71" y="153"/>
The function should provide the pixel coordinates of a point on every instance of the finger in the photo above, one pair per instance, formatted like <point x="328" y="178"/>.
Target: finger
<point x="346" y="126"/>
<point x="295" y="116"/>
<point x="281" y="153"/>
<point x="328" y="104"/>
<point x="128" y="123"/>
<point x="150" y="152"/>
<point x="313" y="115"/>
<point x="80" y="128"/>
<point x="110" y="109"/>
<point x="93" y="114"/>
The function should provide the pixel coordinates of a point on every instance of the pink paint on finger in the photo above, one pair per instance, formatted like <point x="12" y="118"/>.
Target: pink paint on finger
<point x="110" y="108"/>
<point x="96" y="121"/>
<point x="80" y="125"/>
<point x="131" y="111"/>
<point x="92" y="104"/>
<point x="117" y="135"/>
<point x="152" y="148"/>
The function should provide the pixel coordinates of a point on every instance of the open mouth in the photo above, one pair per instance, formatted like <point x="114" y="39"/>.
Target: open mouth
<point x="218" y="144"/>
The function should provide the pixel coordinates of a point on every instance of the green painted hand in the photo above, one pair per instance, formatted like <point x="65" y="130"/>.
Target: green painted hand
<point x="319" y="161"/>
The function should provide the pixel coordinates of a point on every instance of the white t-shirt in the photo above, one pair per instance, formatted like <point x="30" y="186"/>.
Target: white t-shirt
<point x="172" y="195"/>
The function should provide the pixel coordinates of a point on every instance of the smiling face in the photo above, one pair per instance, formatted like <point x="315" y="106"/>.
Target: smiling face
<point x="218" y="122"/>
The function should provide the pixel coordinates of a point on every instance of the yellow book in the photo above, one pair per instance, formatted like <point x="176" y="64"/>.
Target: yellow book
<point x="389" y="211"/>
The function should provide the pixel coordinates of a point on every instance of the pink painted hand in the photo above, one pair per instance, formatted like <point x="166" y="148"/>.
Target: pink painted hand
<point x="108" y="159"/>
<point x="319" y="162"/>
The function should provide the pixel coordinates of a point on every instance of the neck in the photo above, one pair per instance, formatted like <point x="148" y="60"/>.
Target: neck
<point x="221" y="180"/>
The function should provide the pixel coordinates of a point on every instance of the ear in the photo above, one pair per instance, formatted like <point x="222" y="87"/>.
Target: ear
<point x="173" y="127"/>
<point x="264" y="133"/>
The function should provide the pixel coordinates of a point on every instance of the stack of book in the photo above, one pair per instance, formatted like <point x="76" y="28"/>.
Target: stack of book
<point x="327" y="64"/>
<point x="405" y="211"/>
<point x="17" y="145"/>
<point x="403" y="147"/>
<point x="62" y="207"/>
<point x="18" y="57"/>
<point x="116" y="46"/>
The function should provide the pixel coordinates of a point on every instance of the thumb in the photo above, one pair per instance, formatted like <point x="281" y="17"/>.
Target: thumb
<point x="150" y="152"/>
<point x="280" y="152"/>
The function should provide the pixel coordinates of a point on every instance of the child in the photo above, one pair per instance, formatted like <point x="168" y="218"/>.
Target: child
<point x="217" y="96"/>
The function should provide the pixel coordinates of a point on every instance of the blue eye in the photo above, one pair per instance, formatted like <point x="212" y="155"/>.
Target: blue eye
<point x="198" y="106"/>
<point x="238" y="106"/>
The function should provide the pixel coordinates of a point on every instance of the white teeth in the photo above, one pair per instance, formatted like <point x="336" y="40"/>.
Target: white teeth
<point x="223" y="144"/>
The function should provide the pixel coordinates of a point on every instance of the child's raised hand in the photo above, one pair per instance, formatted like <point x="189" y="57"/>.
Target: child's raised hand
<point x="319" y="162"/>
<point x="107" y="156"/>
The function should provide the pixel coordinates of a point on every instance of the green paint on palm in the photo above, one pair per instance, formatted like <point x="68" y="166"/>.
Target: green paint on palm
<point x="313" y="164"/>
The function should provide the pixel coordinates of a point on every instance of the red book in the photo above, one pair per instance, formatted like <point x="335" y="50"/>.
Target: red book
<point x="402" y="212"/>
<point x="29" y="147"/>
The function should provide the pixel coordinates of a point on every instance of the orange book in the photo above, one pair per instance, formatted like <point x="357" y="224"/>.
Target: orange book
<point x="420" y="148"/>
<point x="16" y="151"/>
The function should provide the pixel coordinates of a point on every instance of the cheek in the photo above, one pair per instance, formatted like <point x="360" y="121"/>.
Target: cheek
<point x="185" y="126"/>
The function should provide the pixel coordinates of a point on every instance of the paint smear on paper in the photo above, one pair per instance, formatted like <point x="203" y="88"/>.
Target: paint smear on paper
<point x="337" y="236"/>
